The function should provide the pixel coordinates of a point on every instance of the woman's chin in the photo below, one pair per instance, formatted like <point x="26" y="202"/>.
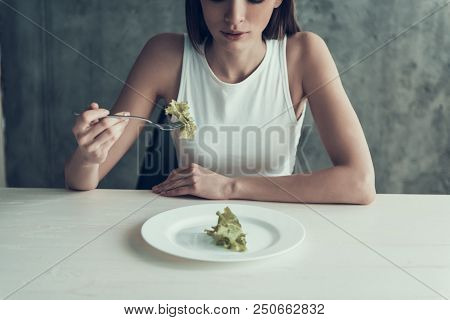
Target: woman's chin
<point x="233" y="45"/>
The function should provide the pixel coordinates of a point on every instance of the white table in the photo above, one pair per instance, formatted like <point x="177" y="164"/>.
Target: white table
<point x="58" y="244"/>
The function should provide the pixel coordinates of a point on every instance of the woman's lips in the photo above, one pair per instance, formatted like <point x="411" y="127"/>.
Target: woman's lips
<point x="234" y="35"/>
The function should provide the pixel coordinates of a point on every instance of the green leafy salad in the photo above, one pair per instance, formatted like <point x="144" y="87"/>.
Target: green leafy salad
<point x="228" y="232"/>
<point x="180" y="110"/>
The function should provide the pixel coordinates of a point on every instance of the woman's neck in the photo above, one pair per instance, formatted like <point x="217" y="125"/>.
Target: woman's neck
<point x="233" y="66"/>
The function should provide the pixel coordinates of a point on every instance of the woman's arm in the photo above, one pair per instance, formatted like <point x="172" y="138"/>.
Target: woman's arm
<point x="334" y="185"/>
<point x="352" y="178"/>
<point x="338" y="184"/>
<point x="156" y="69"/>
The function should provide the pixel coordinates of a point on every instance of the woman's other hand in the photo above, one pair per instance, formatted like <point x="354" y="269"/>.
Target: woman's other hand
<point x="96" y="134"/>
<point x="197" y="181"/>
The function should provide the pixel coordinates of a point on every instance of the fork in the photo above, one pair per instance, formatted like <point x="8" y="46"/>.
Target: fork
<point x="162" y="126"/>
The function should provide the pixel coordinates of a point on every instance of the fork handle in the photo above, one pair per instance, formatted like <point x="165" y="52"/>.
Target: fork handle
<point x="120" y="116"/>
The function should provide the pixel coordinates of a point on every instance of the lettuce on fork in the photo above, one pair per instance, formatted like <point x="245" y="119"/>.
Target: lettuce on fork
<point x="180" y="110"/>
<point x="228" y="232"/>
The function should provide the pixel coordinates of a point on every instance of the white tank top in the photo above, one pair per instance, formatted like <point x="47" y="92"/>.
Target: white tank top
<point x="246" y="128"/>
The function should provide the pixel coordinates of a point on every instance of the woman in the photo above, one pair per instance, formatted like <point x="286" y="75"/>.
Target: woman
<point x="245" y="62"/>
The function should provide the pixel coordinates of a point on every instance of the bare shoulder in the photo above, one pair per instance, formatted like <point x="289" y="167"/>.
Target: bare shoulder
<point x="304" y="47"/>
<point x="300" y="48"/>
<point x="164" y="55"/>
<point x="310" y="55"/>
<point x="165" y="46"/>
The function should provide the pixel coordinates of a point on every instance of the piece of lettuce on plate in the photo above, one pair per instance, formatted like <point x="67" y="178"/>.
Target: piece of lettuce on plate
<point x="228" y="232"/>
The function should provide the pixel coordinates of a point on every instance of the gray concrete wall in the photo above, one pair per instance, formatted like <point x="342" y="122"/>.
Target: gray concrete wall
<point x="2" y="143"/>
<point x="401" y="93"/>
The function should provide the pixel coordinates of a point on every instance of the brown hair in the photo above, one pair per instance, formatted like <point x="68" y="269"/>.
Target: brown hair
<point x="282" y="22"/>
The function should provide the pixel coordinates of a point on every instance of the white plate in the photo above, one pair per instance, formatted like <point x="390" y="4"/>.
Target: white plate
<point x="180" y="232"/>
